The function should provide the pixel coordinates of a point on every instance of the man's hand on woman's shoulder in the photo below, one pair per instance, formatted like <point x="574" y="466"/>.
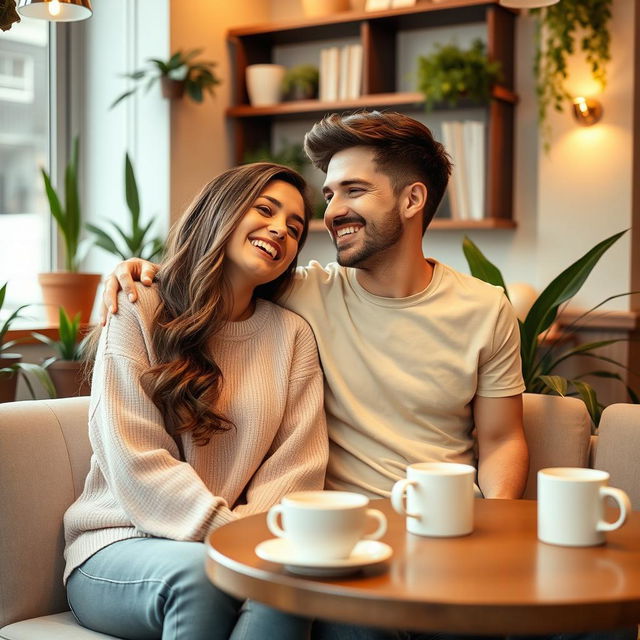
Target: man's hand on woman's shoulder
<point x="123" y="277"/>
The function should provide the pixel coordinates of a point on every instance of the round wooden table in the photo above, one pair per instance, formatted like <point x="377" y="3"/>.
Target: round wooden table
<point x="498" y="580"/>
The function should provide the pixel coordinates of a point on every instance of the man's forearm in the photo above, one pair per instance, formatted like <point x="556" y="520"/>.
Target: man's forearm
<point x="503" y="468"/>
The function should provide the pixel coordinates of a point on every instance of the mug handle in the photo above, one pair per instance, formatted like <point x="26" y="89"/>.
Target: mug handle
<point x="272" y="521"/>
<point x="398" y="495"/>
<point x="382" y="524"/>
<point x="623" y="504"/>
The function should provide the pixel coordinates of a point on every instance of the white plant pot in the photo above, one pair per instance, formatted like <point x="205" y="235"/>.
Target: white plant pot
<point x="264" y="84"/>
<point x="318" y="8"/>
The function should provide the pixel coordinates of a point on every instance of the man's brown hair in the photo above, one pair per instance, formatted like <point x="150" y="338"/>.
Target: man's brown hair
<point x="404" y="149"/>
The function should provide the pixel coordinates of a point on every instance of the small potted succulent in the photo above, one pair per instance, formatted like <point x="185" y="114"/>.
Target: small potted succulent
<point x="180" y="74"/>
<point x="66" y="368"/>
<point x="450" y="74"/>
<point x="301" y="82"/>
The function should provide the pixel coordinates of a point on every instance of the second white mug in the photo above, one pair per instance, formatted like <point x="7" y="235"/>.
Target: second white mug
<point x="437" y="498"/>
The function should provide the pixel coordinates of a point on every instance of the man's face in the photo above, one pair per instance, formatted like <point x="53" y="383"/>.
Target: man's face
<point x="363" y="214"/>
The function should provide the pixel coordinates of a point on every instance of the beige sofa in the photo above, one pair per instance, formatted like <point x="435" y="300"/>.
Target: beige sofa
<point x="44" y="457"/>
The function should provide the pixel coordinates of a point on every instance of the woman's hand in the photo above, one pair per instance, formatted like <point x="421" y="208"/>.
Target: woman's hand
<point x="123" y="277"/>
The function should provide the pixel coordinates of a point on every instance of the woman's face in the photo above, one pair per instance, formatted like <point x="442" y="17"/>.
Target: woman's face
<point x="266" y="240"/>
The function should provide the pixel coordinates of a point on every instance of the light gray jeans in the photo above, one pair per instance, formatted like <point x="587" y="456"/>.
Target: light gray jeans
<point x="152" y="589"/>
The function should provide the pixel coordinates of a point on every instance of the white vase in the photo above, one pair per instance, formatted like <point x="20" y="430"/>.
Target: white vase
<point x="319" y="8"/>
<point x="264" y="84"/>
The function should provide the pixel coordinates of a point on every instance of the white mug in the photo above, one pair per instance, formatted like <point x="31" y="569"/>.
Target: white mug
<point x="571" y="506"/>
<point x="439" y="498"/>
<point x="324" y="525"/>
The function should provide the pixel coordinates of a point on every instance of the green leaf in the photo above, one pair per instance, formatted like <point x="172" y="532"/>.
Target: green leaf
<point x="3" y="292"/>
<point x="45" y="340"/>
<point x="40" y="374"/>
<point x="480" y="266"/>
<point x="121" y="97"/>
<point x="558" y="384"/>
<point x="131" y="191"/>
<point x="104" y="241"/>
<point x="588" y="395"/>
<point x="562" y="288"/>
<point x="615" y="376"/>
<point x="584" y="348"/>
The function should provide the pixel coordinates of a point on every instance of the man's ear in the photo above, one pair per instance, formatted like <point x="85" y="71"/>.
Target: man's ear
<point x="415" y="200"/>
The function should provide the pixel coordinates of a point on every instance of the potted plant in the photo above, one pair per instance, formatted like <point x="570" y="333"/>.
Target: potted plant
<point x="560" y="27"/>
<point x="70" y="289"/>
<point x="301" y="82"/>
<point x="451" y="73"/>
<point x="66" y="368"/>
<point x="136" y="243"/>
<point x="179" y="74"/>
<point x="11" y="364"/>
<point x="539" y="361"/>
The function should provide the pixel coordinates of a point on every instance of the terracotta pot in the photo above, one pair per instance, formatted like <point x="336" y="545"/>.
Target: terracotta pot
<point x="69" y="378"/>
<point x="8" y="382"/>
<point x="72" y="291"/>
<point x="172" y="89"/>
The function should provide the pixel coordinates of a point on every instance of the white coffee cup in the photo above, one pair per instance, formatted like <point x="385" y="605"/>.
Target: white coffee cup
<point x="324" y="525"/>
<point x="438" y="497"/>
<point x="571" y="506"/>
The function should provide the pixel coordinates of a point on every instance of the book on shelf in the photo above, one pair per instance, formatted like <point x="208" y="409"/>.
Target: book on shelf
<point x="355" y="72"/>
<point x="464" y="141"/>
<point x="343" y="73"/>
<point x="329" y="74"/>
<point x="340" y="73"/>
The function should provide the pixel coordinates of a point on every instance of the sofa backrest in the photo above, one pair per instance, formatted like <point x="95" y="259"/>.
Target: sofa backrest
<point x="44" y="459"/>
<point x="618" y="450"/>
<point x="558" y="433"/>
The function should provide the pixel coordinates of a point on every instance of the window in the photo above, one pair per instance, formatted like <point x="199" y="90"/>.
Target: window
<point x="24" y="149"/>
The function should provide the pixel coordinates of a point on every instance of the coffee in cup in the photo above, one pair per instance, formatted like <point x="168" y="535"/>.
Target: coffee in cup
<point x="324" y="525"/>
<point x="437" y="498"/>
<point x="571" y="506"/>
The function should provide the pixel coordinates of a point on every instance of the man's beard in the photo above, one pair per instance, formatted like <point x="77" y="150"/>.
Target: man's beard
<point x="377" y="238"/>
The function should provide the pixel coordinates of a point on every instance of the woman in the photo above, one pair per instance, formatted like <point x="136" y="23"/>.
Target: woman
<point x="206" y="406"/>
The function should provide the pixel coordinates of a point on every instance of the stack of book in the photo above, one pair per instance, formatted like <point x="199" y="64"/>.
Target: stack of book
<point x="465" y="143"/>
<point x="341" y="73"/>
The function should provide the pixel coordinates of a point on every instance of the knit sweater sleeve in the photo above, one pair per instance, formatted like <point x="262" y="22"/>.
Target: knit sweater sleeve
<point x="298" y="456"/>
<point x="161" y="495"/>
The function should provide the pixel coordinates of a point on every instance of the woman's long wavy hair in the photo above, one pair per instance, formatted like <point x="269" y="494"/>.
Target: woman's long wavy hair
<point x="186" y="381"/>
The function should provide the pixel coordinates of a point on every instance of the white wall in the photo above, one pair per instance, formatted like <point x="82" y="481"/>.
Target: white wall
<point x="118" y="39"/>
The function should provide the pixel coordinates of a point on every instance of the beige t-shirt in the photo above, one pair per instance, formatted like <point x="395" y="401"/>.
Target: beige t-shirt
<point x="400" y="373"/>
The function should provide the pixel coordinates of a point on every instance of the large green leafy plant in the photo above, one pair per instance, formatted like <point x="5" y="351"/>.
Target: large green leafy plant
<point x="539" y="362"/>
<point x="560" y="28"/>
<point x="68" y="216"/>
<point x="70" y="344"/>
<point x="136" y="243"/>
<point x="450" y="74"/>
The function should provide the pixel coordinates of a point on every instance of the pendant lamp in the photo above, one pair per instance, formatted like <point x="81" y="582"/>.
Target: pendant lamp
<point x="55" y="10"/>
<point x="527" y="4"/>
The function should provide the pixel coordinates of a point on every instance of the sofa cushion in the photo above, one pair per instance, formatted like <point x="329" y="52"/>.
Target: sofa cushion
<point x="61" y="626"/>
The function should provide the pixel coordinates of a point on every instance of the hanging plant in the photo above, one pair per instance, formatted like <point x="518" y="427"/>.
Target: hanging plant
<point x="558" y="28"/>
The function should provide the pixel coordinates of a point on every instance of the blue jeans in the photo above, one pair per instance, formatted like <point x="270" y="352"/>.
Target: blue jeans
<point x="152" y="589"/>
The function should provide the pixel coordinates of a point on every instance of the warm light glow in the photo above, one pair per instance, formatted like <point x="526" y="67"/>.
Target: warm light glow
<point x="54" y="8"/>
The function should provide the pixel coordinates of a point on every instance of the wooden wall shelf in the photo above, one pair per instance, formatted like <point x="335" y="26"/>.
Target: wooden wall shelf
<point x="378" y="33"/>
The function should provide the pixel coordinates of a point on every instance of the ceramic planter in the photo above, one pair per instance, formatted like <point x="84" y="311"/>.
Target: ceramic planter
<point x="69" y="378"/>
<point x="8" y="382"/>
<point x="75" y="292"/>
<point x="264" y="84"/>
<point x="172" y="89"/>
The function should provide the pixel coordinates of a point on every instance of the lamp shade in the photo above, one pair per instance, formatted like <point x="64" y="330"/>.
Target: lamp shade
<point x="527" y="4"/>
<point x="56" y="10"/>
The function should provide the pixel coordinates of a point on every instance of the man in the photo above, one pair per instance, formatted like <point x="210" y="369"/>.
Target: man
<point x="420" y="362"/>
<point x="415" y="355"/>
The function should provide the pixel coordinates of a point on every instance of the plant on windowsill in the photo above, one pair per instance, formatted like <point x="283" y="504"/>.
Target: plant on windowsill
<point x="451" y="74"/>
<point x="11" y="365"/>
<point x="301" y="82"/>
<point x="180" y="74"/>
<point x="71" y="289"/>
<point x="539" y="361"/>
<point x="66" y="368"/>
<point x="289" y="154"/>
<point x="559" y="29"/>
<point x="135" y="243"/>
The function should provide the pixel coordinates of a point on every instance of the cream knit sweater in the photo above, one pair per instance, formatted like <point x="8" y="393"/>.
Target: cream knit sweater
<point x="138" y="487"/>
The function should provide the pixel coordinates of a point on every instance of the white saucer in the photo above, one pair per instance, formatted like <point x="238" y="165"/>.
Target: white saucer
<point x="364" y="554"/>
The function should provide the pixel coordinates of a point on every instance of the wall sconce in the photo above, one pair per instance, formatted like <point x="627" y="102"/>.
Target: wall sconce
<point x="56" y="10"/>
<point x="527" y="4"/>
<point x="586" y="111"/>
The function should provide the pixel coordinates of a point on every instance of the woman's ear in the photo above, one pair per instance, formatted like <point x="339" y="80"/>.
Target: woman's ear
<point x="415" y="200"/>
